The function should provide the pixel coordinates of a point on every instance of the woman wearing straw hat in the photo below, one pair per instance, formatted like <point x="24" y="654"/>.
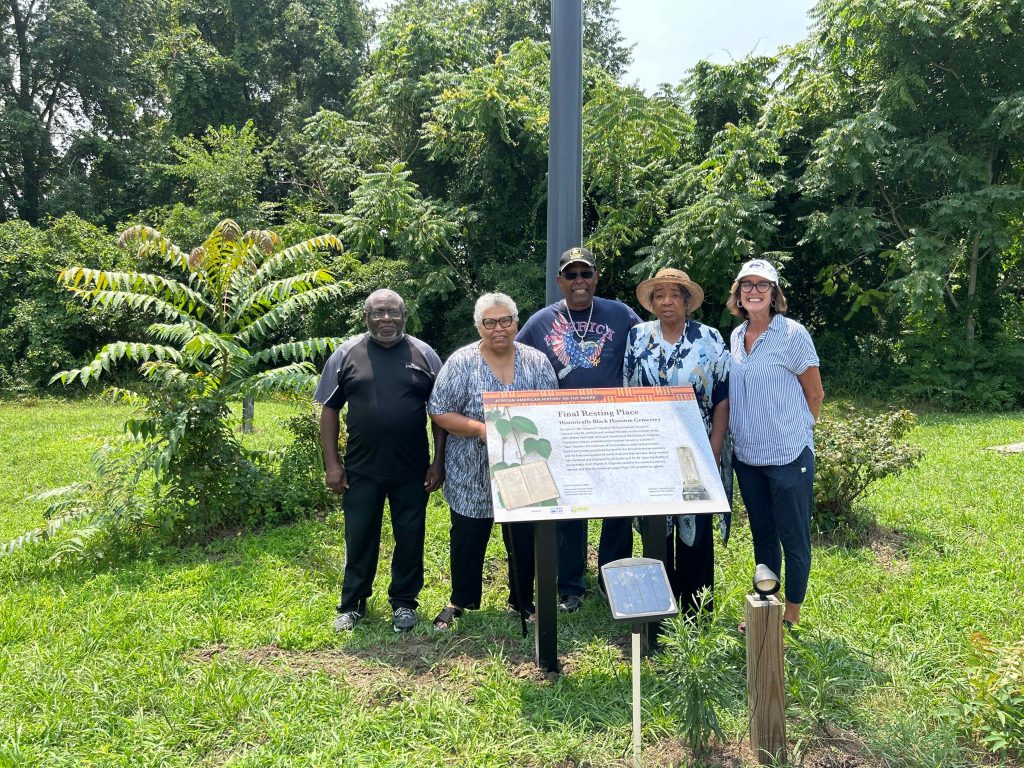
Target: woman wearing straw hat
<point x="677" y="351"/>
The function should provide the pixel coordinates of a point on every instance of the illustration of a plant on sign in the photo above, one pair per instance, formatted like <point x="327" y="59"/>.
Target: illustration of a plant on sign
<point x="521" y="444"/>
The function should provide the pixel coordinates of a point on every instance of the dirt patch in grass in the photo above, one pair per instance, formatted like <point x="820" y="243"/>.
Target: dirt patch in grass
<point x="890" y="547"/>
<point x="386" y="674"/>
<point x="839" y="748"/>
<point x="385" y="681"/>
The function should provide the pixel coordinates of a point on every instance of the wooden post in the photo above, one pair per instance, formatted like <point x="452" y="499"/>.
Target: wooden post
<point x="766" y="680"/>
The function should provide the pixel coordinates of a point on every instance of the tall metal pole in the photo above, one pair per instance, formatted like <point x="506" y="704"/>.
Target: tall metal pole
<point x="565" y="230"/>
<point x="565" y="147"/>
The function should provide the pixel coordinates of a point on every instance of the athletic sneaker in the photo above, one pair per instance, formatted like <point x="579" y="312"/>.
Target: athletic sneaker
<point x="347" y="621"/>
<point x="404" y="619"/>
<point x="569" y="603"/>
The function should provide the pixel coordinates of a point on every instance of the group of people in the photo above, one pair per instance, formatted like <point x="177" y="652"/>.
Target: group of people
<point x="764" y="390"/>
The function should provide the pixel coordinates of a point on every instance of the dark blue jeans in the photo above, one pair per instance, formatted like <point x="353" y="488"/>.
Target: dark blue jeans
<point x="779" y="501"/>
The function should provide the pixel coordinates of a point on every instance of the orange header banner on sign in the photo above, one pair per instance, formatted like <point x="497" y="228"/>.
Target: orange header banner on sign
<point x="572" y="396"/>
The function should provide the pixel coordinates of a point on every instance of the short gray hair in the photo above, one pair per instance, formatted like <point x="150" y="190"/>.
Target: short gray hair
<point x="383" y="293"/>
<point x="489" y="300"/>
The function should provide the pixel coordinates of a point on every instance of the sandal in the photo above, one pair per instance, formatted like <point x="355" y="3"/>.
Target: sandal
<point x="446" y="618"/>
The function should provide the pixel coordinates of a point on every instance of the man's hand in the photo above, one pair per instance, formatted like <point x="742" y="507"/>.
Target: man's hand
<point x="435" y="477"/>
<point x="337" y="480"/>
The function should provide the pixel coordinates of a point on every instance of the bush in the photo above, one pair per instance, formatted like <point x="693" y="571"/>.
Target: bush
<point x="853" y="452"/>
<point x="208" y="482"/>
<point x="294" y="475"/>
<point x="696" y="664"/>
<point x="41" y="328"/>
<point x="992" y="703"/>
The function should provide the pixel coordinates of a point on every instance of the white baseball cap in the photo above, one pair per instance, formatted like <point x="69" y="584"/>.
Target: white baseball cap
<point x="760" y="268"/>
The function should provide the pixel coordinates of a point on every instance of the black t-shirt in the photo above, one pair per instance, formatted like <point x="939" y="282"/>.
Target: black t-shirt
<point x="386" y="389"/>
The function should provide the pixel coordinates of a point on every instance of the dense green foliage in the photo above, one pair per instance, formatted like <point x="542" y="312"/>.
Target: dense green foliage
<point x="852" y="452"/>
<point x="879" y="162"/>
<point x="223" y="652"/>
<point x="222" y="333"/>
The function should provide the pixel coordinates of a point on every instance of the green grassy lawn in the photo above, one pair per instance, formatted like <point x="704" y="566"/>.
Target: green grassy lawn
<point x="223" y="655"/>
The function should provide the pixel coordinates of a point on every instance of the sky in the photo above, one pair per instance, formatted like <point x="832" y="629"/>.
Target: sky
<point x="670" y="36"/>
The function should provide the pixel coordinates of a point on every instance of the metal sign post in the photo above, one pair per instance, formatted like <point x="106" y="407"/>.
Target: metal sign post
<point x="565" y="230"/>
<point x="639" y="593"/>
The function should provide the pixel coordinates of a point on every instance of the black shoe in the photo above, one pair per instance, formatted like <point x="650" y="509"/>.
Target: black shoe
<point x="569" y="603"/>
<point x="404" y="619"/>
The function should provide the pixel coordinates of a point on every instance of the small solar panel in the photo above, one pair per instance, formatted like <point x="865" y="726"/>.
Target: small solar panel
<point x="638" y="589"/>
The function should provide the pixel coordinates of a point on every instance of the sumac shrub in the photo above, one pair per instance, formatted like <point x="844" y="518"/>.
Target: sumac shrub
<point x="852" y="452"/>
<point x="992" y="702"/>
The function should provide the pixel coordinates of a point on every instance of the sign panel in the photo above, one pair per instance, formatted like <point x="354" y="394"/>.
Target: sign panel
<point x="579" y="453"/>
<point x="638" y="590"/>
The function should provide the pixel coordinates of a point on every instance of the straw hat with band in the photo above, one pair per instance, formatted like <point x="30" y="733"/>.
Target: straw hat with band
<point x="670" y="276"/>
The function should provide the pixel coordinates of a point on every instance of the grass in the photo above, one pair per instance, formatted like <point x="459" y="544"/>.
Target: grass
<point x="222" y="654"/>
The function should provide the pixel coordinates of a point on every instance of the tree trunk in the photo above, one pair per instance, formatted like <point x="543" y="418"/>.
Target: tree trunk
<point x="248" y="410"/>
<point x="972" y="286"/>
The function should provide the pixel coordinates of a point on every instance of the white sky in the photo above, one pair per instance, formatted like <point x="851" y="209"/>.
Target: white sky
<point x="673" y="35"/>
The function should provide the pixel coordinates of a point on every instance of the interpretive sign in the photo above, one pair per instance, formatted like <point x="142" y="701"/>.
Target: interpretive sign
<point x="581" y="453"/>
<point x="638" y="590"/>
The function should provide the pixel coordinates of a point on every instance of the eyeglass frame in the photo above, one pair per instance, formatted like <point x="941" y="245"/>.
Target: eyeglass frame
<point x="380" y="314"/>
<point x="746" y="286"/>
<point x="496" y="321"/>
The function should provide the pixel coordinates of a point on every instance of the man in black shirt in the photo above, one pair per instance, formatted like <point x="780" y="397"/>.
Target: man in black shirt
<point x="386" y="378"/>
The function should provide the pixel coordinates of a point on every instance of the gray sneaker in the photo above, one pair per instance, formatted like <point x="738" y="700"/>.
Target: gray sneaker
<point x="347" y="621"/>
<point x="404" y="619"/>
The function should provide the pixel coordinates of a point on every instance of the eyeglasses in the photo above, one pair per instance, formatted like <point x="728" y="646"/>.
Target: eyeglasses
<point x="490" y="322"/>
<point x="380" y="314"/>
<point x="748" y="287"/>
<point x="586" y="274"/>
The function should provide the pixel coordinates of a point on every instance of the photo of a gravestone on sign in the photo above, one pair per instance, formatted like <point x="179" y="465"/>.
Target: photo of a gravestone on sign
<point x="693" y="488"/>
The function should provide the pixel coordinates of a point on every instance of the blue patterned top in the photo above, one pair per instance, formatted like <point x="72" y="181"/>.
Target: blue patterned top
<point x="768" y="414"/>
<point x="699" y="358"/>
<point x="458" y="389"/>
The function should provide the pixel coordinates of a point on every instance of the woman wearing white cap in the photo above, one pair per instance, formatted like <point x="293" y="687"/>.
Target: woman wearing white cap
<point x="677" y="351"/>
<point x="775" y="396"/>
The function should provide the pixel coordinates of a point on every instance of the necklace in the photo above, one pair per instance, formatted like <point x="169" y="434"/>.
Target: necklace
<point x="581" y="336"/>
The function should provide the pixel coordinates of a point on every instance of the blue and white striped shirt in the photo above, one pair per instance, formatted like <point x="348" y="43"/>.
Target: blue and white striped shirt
<point x="768" y="413"/>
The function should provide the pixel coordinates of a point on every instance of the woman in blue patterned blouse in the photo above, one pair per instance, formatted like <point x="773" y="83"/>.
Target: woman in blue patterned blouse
<point x="677" y="351"/>
<point x="495" y="363"/>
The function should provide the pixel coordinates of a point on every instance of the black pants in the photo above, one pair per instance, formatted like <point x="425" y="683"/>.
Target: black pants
<point x="779" y="500"/>
<point x="468" y="546"/>
<point x="692" y="568"/>
<point x="364" y="516"/>
<point x="616" y="541"/>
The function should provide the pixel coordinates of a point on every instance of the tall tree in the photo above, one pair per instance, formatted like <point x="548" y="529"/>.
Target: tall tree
<point x="919" y="182"/>
<point x="68" y="68"/>
<point x="225" y="62"/>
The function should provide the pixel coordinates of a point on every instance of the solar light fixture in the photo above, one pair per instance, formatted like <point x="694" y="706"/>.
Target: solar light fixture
<point x="766" y="583"/>
<point x="638" y="592"/>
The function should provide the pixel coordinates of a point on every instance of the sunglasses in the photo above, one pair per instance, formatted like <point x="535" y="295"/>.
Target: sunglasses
<point x="490" y="322"/>
<point x="586" y="274"/>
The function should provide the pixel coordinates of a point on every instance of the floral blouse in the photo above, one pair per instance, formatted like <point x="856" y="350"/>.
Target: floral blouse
<point x="699" y="358"/>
